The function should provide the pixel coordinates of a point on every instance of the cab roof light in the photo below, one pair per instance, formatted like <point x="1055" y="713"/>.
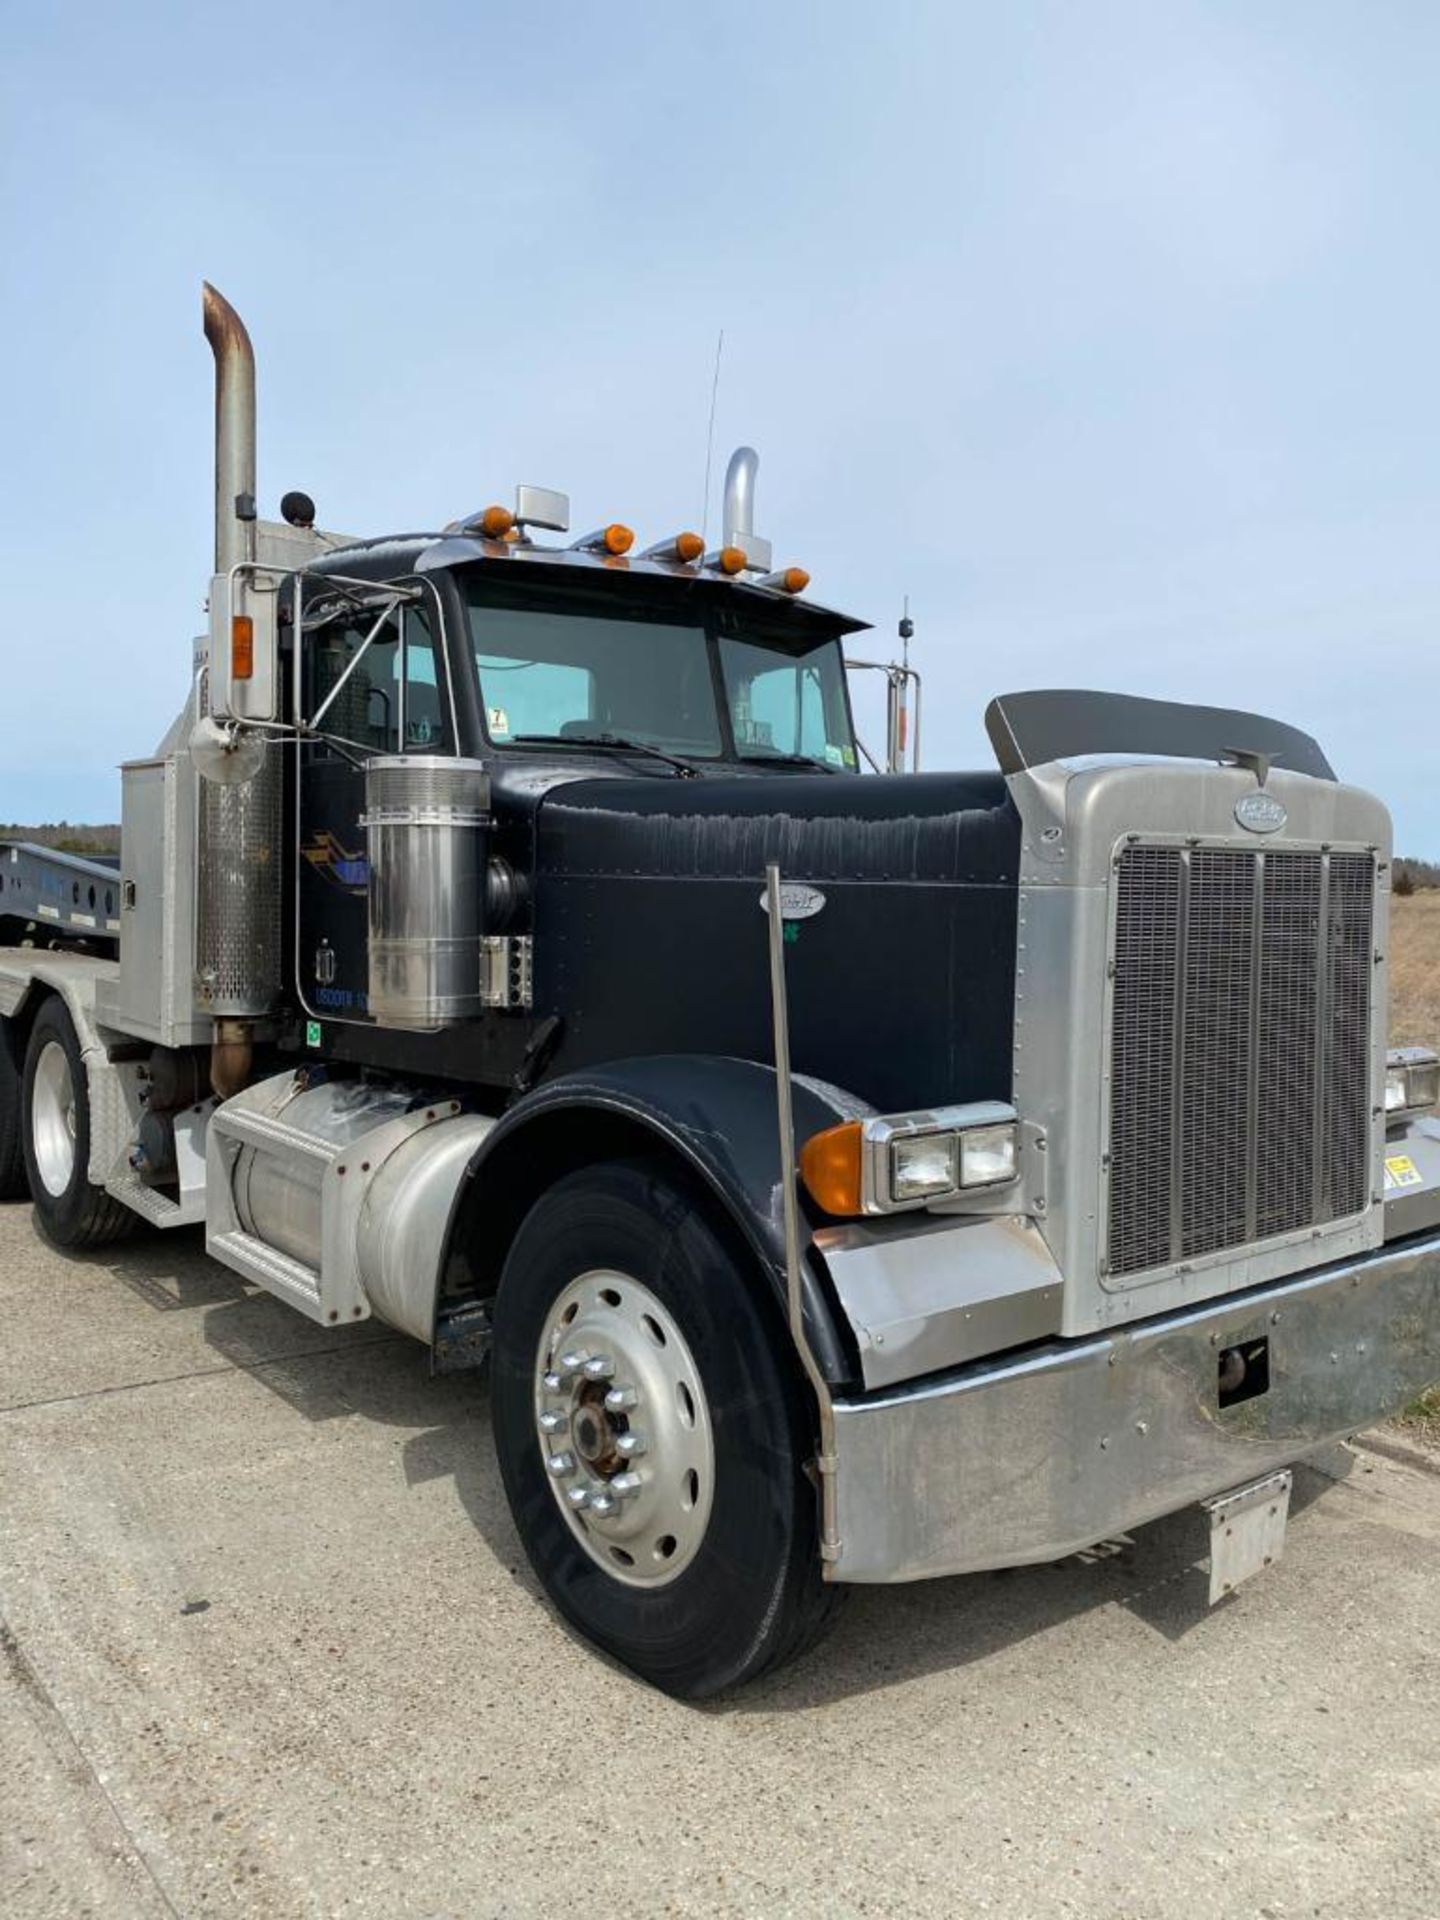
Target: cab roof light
<point x="614" y="540"/>
<point x="729" y="560"/>
<point x="786" y="580"/>
<point x="491" y="523"/>
<point x="684" y="547"/>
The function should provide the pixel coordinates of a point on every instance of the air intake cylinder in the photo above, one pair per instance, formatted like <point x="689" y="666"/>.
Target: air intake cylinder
<point x="427" y="826"/>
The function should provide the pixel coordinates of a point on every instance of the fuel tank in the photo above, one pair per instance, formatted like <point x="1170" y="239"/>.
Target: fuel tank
<point x="651" y="933"/>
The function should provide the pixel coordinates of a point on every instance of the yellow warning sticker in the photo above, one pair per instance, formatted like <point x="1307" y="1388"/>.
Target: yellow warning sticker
<point x="1401" y="1171"/>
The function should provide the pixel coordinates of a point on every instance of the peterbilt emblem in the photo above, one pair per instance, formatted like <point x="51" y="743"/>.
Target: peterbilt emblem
<point x="796" y="902"/>
<point x="1260" y="813"/>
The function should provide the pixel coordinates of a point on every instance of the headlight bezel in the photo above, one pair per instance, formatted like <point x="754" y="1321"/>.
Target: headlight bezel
<point x="881" y="1134"/>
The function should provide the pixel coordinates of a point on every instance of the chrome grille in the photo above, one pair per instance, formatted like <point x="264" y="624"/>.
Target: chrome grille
<point x="1239" y="1048"/>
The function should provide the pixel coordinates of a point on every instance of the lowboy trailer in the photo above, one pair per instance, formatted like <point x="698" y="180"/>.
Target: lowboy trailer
<point x="845" y="1177"/>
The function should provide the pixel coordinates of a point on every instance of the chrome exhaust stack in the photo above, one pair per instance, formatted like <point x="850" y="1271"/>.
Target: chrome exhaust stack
<point x="741" y="548"/>
<point x="234" y="431"/>
<point x="237" y="958"/>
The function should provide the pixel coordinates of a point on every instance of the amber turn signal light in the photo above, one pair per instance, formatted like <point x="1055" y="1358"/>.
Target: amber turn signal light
<point x="830" y="1168"/>
<point x="496" y="522"/>
<point x="618" y="539"/>
<point x="242" y="647"/>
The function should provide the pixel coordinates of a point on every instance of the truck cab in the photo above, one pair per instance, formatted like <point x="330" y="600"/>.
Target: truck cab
<point x="838" y="1176"/>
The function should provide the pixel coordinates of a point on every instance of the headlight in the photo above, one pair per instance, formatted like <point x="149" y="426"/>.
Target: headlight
<point x="1412" y="1081"/>
<point x="885" y="1165"/>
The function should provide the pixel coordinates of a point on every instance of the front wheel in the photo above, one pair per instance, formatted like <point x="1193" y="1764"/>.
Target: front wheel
<point x="652" y="1437"/>
<point x="56" y="1125"/>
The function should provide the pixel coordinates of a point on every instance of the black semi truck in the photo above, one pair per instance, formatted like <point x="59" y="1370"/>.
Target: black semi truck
<point x="846" y="1176"/>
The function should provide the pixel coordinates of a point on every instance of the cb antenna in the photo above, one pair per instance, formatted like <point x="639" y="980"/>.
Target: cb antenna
<point x="906" y="631"/>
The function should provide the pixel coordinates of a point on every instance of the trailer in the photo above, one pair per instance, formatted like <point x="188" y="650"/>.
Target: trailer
<point x="845" y="1177"/>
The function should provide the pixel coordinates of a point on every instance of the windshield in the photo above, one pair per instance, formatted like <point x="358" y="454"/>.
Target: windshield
<point x="588" y="675"/>
<point x="788" y="706"/>
<point x="568" y="675"/>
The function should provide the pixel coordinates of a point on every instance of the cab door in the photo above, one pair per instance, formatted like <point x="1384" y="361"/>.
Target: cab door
<point x="372" y="681"/>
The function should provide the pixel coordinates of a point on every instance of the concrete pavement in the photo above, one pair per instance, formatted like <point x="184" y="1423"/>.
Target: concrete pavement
<point x="270" y="1648"/>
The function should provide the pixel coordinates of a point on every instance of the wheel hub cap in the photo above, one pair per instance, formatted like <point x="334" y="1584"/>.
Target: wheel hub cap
<point x="52" y="1118"/>
<point x="624" y="1428"/>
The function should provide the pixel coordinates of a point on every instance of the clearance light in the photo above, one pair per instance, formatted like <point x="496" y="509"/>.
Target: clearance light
<point x="242" y="647"/>
<point x="496" y="522"/>
<point x="787" y="580"/>
<point x="891" y="1164"/>
<point x="729" y="560"/>
<point x="614" y="540"/>
<point x="684" y="547"/>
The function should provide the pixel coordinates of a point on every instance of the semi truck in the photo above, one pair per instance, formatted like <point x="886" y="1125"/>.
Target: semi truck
<point x="845" y="1176"/>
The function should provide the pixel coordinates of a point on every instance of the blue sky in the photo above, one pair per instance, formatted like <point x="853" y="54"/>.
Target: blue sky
<point x="1106" y="332"/>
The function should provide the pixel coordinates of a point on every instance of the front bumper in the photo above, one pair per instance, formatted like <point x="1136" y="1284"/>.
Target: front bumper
<point x="1027" y="1459"/>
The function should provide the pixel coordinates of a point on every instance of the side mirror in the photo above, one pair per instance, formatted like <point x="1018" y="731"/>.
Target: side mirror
<point x="244" y="645"/>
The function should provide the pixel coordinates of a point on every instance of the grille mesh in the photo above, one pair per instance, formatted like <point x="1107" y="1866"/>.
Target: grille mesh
<point x="1239" y="1089"/>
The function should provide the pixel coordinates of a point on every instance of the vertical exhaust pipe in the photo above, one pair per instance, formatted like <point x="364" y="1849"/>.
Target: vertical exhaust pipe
<point x="234" y="431"/>
<point x="739" y="515"/>
<point x="237" y="918"/>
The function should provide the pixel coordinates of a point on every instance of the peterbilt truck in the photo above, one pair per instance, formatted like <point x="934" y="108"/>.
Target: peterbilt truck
<point x="845" y="1176"/>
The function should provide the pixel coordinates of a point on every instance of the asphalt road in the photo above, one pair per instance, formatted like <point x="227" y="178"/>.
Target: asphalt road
<point x="270" y="1647"/>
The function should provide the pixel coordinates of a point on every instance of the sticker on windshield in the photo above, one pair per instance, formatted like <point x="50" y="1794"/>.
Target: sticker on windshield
<point x="499" y="721"/>
<point x="834" y="755"/>
<point x="847" y="754"/>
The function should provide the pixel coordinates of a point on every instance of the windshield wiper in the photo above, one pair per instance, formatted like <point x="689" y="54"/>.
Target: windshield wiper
<point x="789" y="760"/>
<point x="683" y="768"/>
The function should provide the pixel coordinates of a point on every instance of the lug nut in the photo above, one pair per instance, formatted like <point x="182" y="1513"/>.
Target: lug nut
<point x="625" y="1484"/>
<point x="553" y="1422"/>
<point x="631" y="1445"/>
<point x="578" y="1497"/>
<point x="621" y="1399"/>
<point x="572" y="1362"/>
<point x="560" y="1464"/>
<point x="600" y="1367"/>
<point x="555" y="1383"/>
<point x="603" y="1503"/>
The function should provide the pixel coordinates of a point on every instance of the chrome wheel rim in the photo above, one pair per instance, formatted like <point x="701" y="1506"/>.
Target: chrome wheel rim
<point x="52" y="1119"/>
<point x="624" y="1428"/>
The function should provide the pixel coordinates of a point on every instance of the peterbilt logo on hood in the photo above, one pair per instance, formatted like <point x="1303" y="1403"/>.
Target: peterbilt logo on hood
<point x="796" y="902"/>
<point x="1260" y="813"/>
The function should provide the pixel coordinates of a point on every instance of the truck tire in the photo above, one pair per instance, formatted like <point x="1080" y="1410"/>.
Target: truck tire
<point x="13" y="1185"/>
<point x="56" y="1137"/>
<point x="660" y="1490"/>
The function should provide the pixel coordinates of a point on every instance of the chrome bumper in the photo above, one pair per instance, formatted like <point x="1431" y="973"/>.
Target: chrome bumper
<point x="1008" y="1462"/>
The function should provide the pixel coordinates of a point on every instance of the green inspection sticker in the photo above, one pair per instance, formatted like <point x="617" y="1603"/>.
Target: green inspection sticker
<point x="312" y="1033"/>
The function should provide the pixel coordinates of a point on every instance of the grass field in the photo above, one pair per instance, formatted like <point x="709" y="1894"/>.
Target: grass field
<point x="1415" y="1021"/>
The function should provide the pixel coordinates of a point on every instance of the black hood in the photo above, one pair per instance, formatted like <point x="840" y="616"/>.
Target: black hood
<point x="650" y="937"/>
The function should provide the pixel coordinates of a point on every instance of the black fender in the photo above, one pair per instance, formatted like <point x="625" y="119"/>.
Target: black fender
<point x="717" y="1117"/>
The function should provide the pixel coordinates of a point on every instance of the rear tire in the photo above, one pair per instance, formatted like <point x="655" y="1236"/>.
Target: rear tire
<point x="623" y="1256"/>
<point x="13" y="1183"/>
<point x="70" y="1211"/>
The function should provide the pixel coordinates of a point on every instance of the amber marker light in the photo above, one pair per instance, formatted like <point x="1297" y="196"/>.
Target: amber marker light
<point x="830" y="1167"/>
<point x="242" y="647"/>
<point x="688" y="547"/>
<point x="618" y="539"/>
<point x="731" y="560"/>
<point x="794" y="580"/>
<point x="496" y="522"/>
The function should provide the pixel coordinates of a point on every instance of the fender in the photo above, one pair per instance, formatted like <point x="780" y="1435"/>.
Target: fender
<point x="27" y="975"/>
<point x="718" y="1116"/>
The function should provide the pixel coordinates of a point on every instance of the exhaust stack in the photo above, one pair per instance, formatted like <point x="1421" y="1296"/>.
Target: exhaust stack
<point x="238" y="965"/>
<point x="738" y="518"/>
<point x="234" y="431"/>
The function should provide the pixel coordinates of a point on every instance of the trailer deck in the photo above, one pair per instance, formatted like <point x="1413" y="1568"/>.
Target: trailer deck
<point x="41" y="887"/>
